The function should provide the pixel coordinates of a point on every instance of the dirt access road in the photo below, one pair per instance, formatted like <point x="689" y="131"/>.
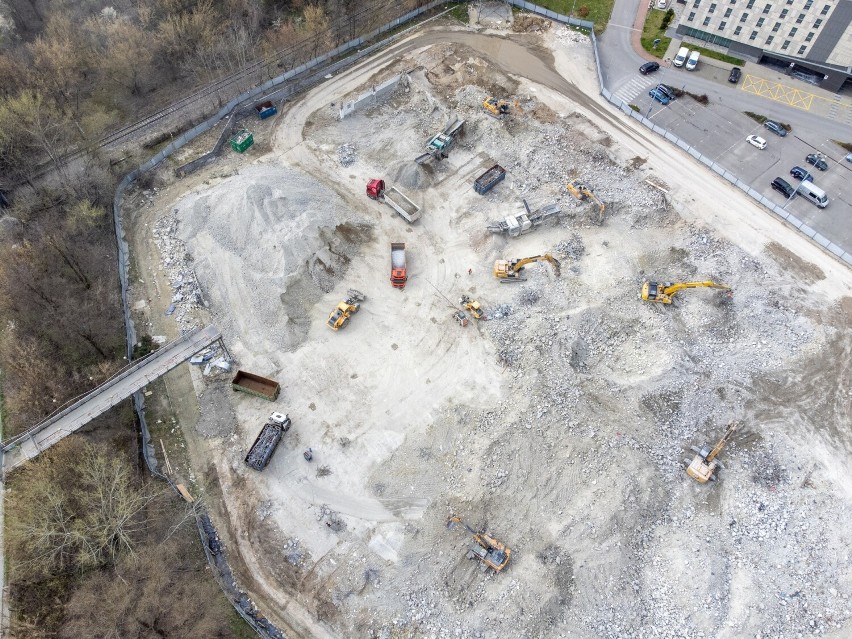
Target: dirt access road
<point x="560" y="425"/>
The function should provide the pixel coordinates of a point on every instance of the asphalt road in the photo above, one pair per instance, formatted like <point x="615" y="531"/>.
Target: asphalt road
<point x="719" y="129"/>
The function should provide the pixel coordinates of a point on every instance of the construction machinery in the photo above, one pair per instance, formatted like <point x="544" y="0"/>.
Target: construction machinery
<point x="523" y="223"/>
<point x="703" y="466"/>
<point x="267" y="440"/>
<point x="348" y="307"/>
<point x="583" y="192"/>
<point x="492" y="553"/>
<point x="512" y="270"/>
<point x="398" y="201"/>
<point x="438" y="147"/>
<point x="473" y="307"/>
<point x="461" y="318"/>
<point x="399" y="274"/>
<point x="488" y="180"/>
<point x="664" y="292"/>
<point x="496" y="108"/>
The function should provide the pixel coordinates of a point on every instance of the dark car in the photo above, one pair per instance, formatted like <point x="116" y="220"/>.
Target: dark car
<point x="783" y="186"/>
<point x="659" y="96"/>
<point x="736" y="74"/>
<point x="666" y="91"/>
<point x="800" y="174"/>
<point x="649" y="67"/>
<point x="817" y="161"/>
<point x="773" y="126"/>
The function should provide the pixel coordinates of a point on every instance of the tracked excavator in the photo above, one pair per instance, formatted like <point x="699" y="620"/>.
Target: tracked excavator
<point x="348" y="307"/>
<point x="664" y="292"/>
<point x="496" y="108"/>
<point x="512" y="270"/>
<point x="583" y="191"/>
<point x="703" y="466"/>
<point x="493" y="554"/>
<point x="473" y="307"/>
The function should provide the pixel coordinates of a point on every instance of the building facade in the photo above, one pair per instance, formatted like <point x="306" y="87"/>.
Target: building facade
<point x="813" y="35"/>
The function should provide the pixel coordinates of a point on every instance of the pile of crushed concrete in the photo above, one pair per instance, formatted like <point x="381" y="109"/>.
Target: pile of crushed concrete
<point x="268" y="240"/>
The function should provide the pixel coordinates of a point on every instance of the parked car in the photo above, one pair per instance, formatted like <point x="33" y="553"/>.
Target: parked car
<point x="666" y="91"/>
<point x="756" y="140"/>
<point x="649" y="67"/>
<point x="773" y="126"/>
<point x="736" y="74"/>
<point x="801" y="174"/>
<point x="783" y="186"/>
<point x="659" y="96"/>
<point x="849" y="157"/>
<point x="662" y="4"/>
<point x="817" y="160"/>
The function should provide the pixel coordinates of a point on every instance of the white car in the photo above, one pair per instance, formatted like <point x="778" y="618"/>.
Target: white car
<point x="662" y="4"/>
<point x="756" y="140"/>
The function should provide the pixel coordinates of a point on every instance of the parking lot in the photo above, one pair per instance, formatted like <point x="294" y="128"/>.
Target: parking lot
<point x="719" y="131"/>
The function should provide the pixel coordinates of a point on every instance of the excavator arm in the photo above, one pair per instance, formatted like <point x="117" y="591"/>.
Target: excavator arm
<point x="725" y="439"/>
<point x="664" y="292"/>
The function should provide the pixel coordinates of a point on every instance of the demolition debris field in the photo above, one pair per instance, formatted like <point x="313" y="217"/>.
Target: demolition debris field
<point x="561" y="423"/>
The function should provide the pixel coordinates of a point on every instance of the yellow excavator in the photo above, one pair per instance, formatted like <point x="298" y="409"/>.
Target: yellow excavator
<point x="496" y="108"/>
<point x="348" y="307"/>
<point x="583" y="191"/>
<point x="703" y="466"/>
<point x="511" y="270"/>
<point x="473" y="307"/>
<point x="492" y="553"/>
<point x="664" y="292"/>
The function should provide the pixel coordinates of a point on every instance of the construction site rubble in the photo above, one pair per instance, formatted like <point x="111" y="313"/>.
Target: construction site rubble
<point x="565" y="424"/>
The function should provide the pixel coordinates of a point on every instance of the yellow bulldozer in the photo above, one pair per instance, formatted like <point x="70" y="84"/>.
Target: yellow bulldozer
<point x="496" y="108"/>
<point x="703" y="466"/>
<point x="664" y="292"/>
<point x="512" y="270"/>
<point x="473" y="307"/>
<point x="583" y="192"/>
<point x="343" y="311"/>
<point x="491" y="553"/>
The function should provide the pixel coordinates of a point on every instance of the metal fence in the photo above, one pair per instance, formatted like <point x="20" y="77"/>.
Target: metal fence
<point x="288" y="81"/>
<point x="780" y="211"/>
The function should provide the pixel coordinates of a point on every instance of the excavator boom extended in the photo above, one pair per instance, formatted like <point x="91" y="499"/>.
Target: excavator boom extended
<point x="492" y="553"/>
<point x="510" y="271"/>
<point x="703" y="466"/>
<point x="663" y="292"/>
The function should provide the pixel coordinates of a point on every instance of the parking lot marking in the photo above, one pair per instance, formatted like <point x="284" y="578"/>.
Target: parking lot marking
<point x="633" y="88"/>
<point x="778" y="92"/>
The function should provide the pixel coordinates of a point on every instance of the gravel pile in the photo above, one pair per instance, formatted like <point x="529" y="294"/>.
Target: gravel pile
<point x="346" y="155"/>
<point x="270" y="236"/>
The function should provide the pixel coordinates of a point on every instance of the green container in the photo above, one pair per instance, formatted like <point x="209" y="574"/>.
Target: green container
<point x="241" y="140"/>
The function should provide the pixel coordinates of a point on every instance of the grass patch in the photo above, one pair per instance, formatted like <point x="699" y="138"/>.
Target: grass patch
<point x="701" y="99"/>
<point x="844" y="145"/>
<point x="716" y="55"/>
<point x="652" y="30"/>
<point x="459" y="12"/>
<point x="634" y="107"/>
<point x="598" y="11"/>
<point x="760" y="119"/>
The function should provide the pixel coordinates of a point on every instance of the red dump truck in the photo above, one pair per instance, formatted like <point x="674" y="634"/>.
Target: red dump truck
<point x="399" y="275"/>
<point x="407" y="209"/>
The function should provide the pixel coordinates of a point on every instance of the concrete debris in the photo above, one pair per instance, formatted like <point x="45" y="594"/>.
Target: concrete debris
<point x="346" y="155"/>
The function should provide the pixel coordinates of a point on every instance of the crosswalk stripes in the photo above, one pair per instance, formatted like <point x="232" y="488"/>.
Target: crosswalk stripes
<point x="833" y="108"/>
<point x="633" y="88"/>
